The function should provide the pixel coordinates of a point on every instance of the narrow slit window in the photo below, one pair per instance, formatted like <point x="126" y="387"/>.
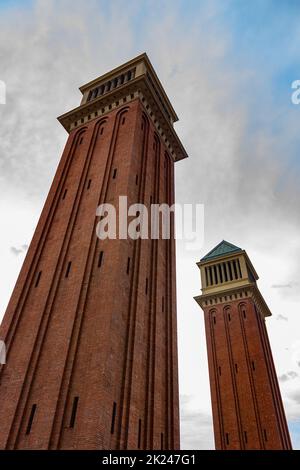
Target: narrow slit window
<point x="81" y="140"/>
<point x="162" y="441"/>
<point x="229" y="317"/>
<point x="68" y="268"/>
<point x="74" y="412"/>
<point x="123" y="121"/>
<point x="220" y="273"/>
<point x="216" y="274"/>
<point x="139" y="433"/>
<point x="265" y="435"/>
<point x="206" y="277"/>
<point x="210" y="275"/>
<point x="65" y="193"/>
<point x="128" y="265"/>
<point x="244" y="313"/>
<point x="89" y="184"/>
<point x="230" y="271"/>
<point x="234" y="269"/>
<point x="146" y="287"/>
<point x="150" y="200"/>
<point x="239" y="268"/>
<point x="38" y="278"/>
<point x="113" y="418"/>
<point x="100" y="259"/>
<point x="236" y="368"/>
<point x="30" y="420"/>
<point x="102" y="129"/>
<point x="246" y="437"/>
<point x="214" y="318"/>
<point x="253" y="365"/>
<point x="136" y="179"/>
<point x="114" y="174"/>
<point x="227" y="438"/>
<point x="220" y="370"/>
<point x="225" y="272"/>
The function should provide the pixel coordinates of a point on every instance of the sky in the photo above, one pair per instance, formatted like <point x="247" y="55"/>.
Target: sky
<point x="227" y="67"/>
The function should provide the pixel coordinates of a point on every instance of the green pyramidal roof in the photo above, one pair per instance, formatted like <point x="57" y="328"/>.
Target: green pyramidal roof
<point x="221" y="249"/>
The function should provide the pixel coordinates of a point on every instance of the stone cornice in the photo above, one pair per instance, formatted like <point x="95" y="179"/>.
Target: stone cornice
<point x="238" y="293"/>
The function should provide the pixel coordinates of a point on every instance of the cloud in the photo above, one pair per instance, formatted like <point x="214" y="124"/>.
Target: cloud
<point x="18" y="251"/>
<point x="295" y="395"/>
<point x="15" y="250"/>
<point x="290" y="285"/>
<point x="288" y="376"/>
<point x="195" y="426"/>
<point x="282" y="317"/>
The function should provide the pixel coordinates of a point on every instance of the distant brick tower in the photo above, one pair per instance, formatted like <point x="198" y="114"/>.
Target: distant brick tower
<point x="246" y="401"/>
<point x="91" y="328"/>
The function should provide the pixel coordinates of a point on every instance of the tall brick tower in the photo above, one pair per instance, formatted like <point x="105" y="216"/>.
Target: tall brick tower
<point x="246" y="402"/>
<point x="90" y="329"/>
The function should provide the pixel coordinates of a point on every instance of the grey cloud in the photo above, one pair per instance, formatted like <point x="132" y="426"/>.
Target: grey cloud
<point x="281" y="286"/>
<point x="289" y="375"/>
<point x="196" y="428"/>
<point x="17" y="251"/>
<point x="295" y="395"/>
<point x="282" y="317"/>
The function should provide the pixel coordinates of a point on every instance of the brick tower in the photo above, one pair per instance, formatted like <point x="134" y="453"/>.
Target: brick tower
<point x="90" y="329"/>
<point x="246" y="401"/>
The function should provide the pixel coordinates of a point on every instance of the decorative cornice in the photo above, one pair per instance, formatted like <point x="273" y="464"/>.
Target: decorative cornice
<point x="143" y="85"/>
<point x="238" y="293"/>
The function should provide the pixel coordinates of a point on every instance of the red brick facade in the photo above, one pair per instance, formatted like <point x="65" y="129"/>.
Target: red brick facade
<point x="248" y="413"/>
<point x="90" y="328"/>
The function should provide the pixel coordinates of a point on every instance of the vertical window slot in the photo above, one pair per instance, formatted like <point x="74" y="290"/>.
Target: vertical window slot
<point x="225" y="272"/>
<point x="146" y="288"/>
<point x="265" y="435"/>
<point x="38" y="278"/>
<point x="246" y="437"/>
<point x="89" y="184"/>
<point x="65" y="193"/>
<point x="239" y="267"/>
<point x="68" y="268"/>
<point x="230" y="271"/>
<point x="227" y="439"/>
<point x="114" y="174"/>
<point x="139" y="433"/>
<point x="113" y="418"/>
<point x="220" y="273"/>
<point x="236" y="368"/>
<point x="100" y="259"/>
<point x="253" y="365"/>
<point x="220" y="370"/>
<point x="136" y="179"/>
<point x="234" y="269"/>
<point x="30" y="420"/>
<point x="74" y="412"/>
